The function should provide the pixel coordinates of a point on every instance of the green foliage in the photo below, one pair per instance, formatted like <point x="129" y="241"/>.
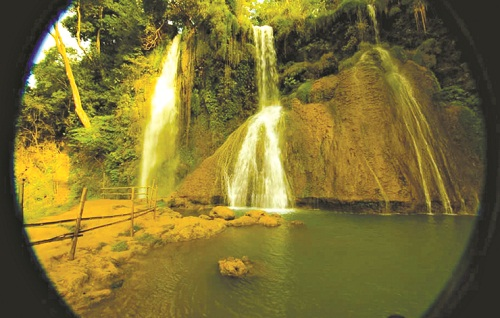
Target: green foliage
<point x="398" y="52"/>
<point x="98" y="139"/>
<point x="351" y="6"/>
<point x="350" y="62"/>
<point x="289" y="84"/>
<point x="303" y="92"/>
<point x="296" y="73"/>
<point x="455" y="95"/>
<point x="148" y="239"/>
<point x="426" y="53"/>
<point x="472" y="124"/>
<point x="119" y="246"/>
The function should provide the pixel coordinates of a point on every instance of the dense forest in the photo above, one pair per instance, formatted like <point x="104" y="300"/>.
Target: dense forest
<point x="84" y="128"/>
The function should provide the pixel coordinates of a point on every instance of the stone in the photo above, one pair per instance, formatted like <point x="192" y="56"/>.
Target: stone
<point x="256" y="214"/>
<point x="233" y="267"/>
<point x="244" y="220"/>
<point x="270" y="221"/>
<point x="222" y="212"/>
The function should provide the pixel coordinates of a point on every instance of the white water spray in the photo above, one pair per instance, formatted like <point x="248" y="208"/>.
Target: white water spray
<point x="159" y="147"/>
<point x="258" y="178"/>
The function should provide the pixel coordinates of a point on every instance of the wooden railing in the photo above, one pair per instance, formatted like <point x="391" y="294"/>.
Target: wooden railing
<point x="125" y="193"/>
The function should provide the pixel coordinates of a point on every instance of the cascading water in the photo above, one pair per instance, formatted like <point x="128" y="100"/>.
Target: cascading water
<point x="258" y="178"/>
<point x="159" y="147"/>
<point x="267" y="76"/>
<point x="418" y="129"/>
<point x="373" y="17"/>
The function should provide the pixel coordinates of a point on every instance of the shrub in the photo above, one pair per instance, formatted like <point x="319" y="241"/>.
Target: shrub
<point x="119" y="246"/>
<point x="473" y="126"/>
<point x="425" y="54"/>
<point x="303" y="92"/>
<point x="148" y="239"/>
<point x="455" y="95"/>
<point x="399" y="53"/>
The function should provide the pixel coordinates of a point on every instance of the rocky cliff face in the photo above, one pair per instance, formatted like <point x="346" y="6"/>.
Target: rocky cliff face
<point x="351" y="149"/>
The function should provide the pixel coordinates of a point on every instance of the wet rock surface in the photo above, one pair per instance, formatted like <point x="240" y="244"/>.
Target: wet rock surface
<point x="234" y="267"/>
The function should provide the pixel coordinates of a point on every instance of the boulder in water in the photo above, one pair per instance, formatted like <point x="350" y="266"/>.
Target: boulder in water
<point x="271" y="221"/>
<point x="222" y="212"/>
<point x="297" y="223"/>
<point x="256" y="214"/>
<point x="244" y="220"/>
<point x="234" y="267"/>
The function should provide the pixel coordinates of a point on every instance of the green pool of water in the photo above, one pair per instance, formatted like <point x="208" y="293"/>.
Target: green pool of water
<point x="336" y="265"/>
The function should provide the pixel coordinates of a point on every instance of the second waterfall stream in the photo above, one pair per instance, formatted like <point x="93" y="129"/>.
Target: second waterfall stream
<point x="159" y="155"/>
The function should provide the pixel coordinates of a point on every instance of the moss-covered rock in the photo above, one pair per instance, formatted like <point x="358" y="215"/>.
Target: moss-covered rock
<point x="233" y="267"/>
<point x="222" y="212"/>
<point x="244" y="220"/>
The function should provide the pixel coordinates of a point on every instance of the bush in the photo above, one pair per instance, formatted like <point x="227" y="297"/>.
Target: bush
<point x="425" y="54"/>
<point x="473" y="126"/>
<point x="303" y="92"/>
<point x="399" y="53"/>
<point x="148" y="239"/>
<point x="455" y="95"/>
<point x="119" y="246"/>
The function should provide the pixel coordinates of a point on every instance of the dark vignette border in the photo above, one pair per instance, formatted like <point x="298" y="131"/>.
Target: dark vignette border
<point x="473" y="292"/>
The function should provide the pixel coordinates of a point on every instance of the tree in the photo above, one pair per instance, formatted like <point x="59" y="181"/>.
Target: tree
<point x="74" y="88"/>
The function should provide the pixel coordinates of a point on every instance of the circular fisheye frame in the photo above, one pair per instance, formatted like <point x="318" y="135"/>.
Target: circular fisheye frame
<point x="250" y="158"/>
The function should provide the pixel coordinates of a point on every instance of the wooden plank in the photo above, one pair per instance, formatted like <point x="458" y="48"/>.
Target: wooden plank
<point x="49" y="223"/>
<point x="55" y="238"/>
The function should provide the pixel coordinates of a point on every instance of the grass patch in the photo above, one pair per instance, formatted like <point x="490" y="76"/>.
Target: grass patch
<point x="119" y="246"/>
<point x="136" y="228"/>
<point x="148" y="239"/>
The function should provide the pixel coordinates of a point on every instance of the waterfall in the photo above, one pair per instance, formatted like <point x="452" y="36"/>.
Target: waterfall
<point x="159" y="154"/>
<point x="373" y="17"/>
<point x="267" y="76"/>
<point x="419" y="130"/>
<point x="258" y="178"/>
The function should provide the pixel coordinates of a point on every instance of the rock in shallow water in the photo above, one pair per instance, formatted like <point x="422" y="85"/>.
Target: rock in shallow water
<point x="234" y="267"/>
<point x="269" y="220"/>
<point x="222" y="212"/>
<point x="244" y="220"/>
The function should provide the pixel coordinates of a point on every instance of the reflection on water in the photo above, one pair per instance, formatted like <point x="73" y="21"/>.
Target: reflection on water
<point x="337" y="265"/>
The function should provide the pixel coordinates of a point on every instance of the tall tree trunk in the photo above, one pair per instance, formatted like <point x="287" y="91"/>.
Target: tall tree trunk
<point x="98" y="35"/>
<point x="78" y="28"/>
<point x="74" y="89"/>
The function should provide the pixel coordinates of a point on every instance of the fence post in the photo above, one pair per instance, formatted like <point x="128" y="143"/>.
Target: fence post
<point x="22" y="200"/>
<point x="77" y="226"/>
<point x="132" y="213"/>
<point x="155" y="191"/>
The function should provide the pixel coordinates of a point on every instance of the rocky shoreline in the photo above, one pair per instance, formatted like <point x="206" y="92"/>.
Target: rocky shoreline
<point x="98" y="267"/>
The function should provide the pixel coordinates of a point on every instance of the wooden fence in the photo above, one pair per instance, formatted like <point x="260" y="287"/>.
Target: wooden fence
<point x="149" y="194"/>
